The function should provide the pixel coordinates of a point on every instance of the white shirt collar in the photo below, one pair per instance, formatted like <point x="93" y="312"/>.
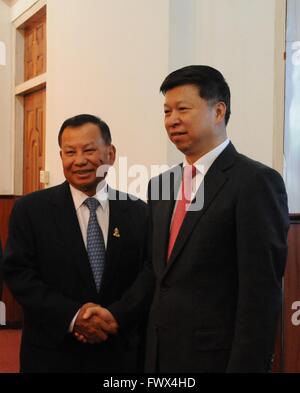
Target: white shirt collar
<point x="205" y="162"/>
<point x="102" y="195"/>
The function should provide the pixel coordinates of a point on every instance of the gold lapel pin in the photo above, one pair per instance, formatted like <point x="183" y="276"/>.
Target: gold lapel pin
<point x="116" y="232"/>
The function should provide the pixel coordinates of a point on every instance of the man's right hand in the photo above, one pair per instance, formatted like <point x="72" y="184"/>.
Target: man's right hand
<point x="94" y="327"/>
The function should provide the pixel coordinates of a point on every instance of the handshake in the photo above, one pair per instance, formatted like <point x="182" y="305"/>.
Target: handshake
<point x="93" y="324"/>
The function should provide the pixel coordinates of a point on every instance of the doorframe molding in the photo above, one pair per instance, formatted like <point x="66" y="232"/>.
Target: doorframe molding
<point x="279" y="85"/>
<point x="20" y="88"/>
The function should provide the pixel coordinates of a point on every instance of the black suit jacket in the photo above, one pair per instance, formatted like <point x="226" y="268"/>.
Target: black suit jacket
<point x="47" y="269"/>
<point x="216" y="303"/>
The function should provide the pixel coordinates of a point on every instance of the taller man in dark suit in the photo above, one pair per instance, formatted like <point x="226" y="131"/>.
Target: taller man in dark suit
<point x="74" y="245"/>
<point x="215" y="269"/>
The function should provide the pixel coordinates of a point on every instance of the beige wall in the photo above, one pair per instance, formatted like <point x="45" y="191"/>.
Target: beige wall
<point x="5" y="104"/>
<point x="238" y="37"/>
<point x="241" y="36"/>
<point x="109" y="58"/>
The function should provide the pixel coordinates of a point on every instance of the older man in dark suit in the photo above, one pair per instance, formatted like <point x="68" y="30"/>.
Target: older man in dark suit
<point x="214" y="276"/>
<point x="71" y="246"/>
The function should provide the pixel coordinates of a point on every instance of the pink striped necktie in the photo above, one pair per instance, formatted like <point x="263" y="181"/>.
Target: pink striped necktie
<point x="182" y="206"/>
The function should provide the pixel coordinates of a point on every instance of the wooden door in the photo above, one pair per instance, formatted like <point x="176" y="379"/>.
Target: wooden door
<point x="34" y="140"/>
<point x="35" y="48"/>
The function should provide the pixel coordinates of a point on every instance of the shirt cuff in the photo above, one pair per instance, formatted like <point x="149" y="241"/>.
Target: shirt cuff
<point x="72" y="322"/>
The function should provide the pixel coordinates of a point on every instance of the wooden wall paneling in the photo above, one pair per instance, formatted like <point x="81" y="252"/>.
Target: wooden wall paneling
<point x="6" y="205"/>
<point x="291" y="359"/>
<point x="14" y="313"/>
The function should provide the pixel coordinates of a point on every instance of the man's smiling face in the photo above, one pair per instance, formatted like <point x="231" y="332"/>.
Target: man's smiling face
<point x="83" y="151"/>
<point x="190" y="120"/>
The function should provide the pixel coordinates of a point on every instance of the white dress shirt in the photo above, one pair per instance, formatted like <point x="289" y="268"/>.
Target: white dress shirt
<point x="83" y="215"/>
<point x="202" y="166"/>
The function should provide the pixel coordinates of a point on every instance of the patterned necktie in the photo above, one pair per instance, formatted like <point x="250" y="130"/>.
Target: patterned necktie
<point x="95" y="242"/>
<point x="182" y="206"/>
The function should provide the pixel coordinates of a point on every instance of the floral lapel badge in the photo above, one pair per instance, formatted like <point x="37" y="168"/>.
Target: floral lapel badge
<point x="116" y="232"/>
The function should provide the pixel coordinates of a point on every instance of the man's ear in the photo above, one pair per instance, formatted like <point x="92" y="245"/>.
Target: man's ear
<point x="60" y="153"/>
<point x="220" y="112"/>
<point x="111" y="154"/>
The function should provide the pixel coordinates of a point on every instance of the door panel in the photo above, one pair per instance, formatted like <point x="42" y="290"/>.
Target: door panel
<point x="34" y="140"/>
<point x="35" y="48"/>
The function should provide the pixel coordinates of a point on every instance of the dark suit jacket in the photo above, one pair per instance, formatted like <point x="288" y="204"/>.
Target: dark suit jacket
<point x="47" y="269"/>
<point x="217" y="301"/>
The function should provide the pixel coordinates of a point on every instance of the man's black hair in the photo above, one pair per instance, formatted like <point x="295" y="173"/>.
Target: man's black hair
<point x="210" y="82"/>
<point x="80" y="120"/>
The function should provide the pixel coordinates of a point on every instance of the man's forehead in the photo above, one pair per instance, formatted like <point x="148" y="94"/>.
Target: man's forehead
<point x="81" y="144"/>
<point x="83" y="127"/>
<point x="87" y="133"/>
<point x="182" y="92"/>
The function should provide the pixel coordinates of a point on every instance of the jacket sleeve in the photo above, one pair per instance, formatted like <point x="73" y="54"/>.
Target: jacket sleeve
<point x="262" y="224"/>
<point x="40" y="301"/>
<point x="134" y="305"/>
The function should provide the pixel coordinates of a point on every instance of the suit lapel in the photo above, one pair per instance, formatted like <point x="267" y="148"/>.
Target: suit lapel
<point x="168" y="189"/>
<point x="70" y="233"/>
<point x="118" y="222"/>
<point x="213" y="182"/>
